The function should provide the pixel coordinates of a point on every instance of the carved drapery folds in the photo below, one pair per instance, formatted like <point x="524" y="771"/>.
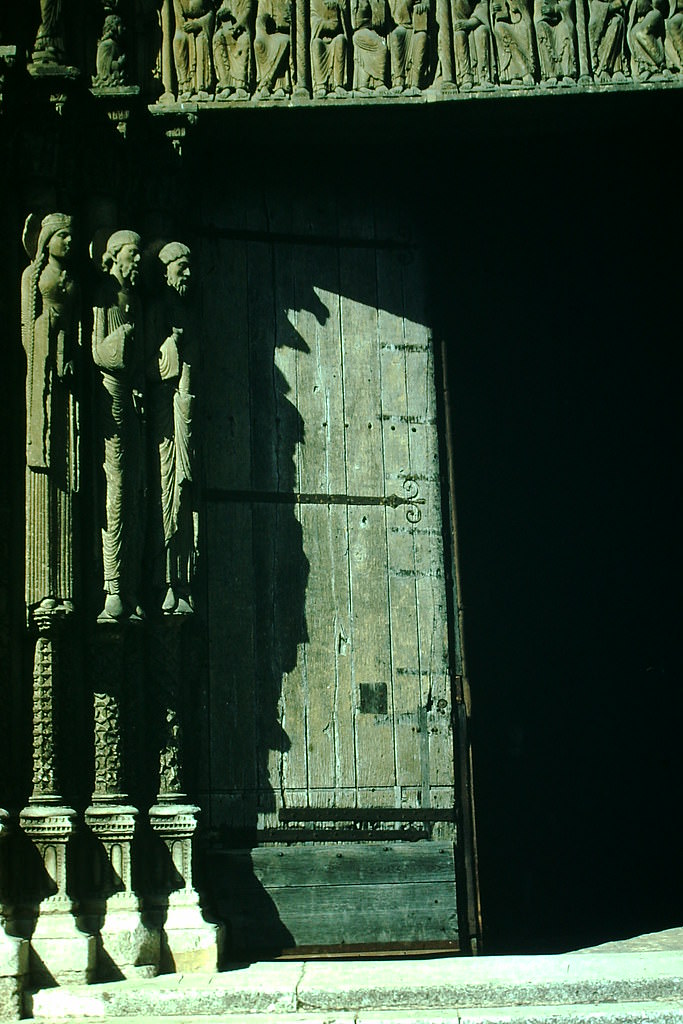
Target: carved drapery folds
<point x="117" y="349"/>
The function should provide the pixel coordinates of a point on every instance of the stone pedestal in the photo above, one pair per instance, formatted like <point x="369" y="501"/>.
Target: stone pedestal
<point x="129" y="947"/>
<point x="13" y="953"/>
<point x="191" y="942"/>
<point x="60" y="952"/>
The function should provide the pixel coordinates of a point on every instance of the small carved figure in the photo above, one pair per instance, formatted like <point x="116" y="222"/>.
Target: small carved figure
<point x="472" y="45"/>
<point x="408" y="45"/>
<point x="192" y="47"/>
<point x="171" y="367"/>
<point x="646" y="34"/>
<point x="117" y="350"/>
<point x="674" y="36"/>
<point x="556" y="35"/>
<point x="513" y="32"/>
<point x="232" y="44"/>
<point x="51" y="339"/>
<point x="329" y="47"/>
<point x="110" y="62"/>
<point x="49" y="45"/>
<point x="272" y="48"/>
<point x="607" y="35"/>
<point x="369" y="22"/>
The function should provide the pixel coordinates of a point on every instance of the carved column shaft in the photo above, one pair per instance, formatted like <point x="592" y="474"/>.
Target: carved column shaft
<point x="108" y="662"/>
<point x="301" y="43"/>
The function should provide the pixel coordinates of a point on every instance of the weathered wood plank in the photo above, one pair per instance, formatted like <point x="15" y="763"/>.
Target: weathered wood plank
<point x="347" y="915"/>
<point x="346" y="864"/>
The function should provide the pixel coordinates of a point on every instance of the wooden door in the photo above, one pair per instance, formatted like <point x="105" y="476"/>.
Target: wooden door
<point x="326" y="739"/>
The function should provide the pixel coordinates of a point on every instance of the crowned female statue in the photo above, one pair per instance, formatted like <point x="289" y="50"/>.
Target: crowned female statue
<point x="51" y="339"/>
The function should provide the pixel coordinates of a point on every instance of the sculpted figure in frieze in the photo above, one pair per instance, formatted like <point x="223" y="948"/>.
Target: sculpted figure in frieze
<point x="272" y="44"/>
<point x="513" y="32"/>
<point x="49" y="45"/>
<point x="369" y="22"/>
<point x="194" y="21"/>
<point x="110" y="65"/>
<point x="607" y="36"/>
<point x="556" y="35"/>
<point x="117" y="349"/>
<point x="232" y="45"/>
<point x="329" y="47"/>
<point x="472" y="45"/>
<point x="408" y="45"/>
<point x="646" y="35"/>
<point x="674" y="36"/>
<point x="171" y="367"/>
<point x="51" y="339"/>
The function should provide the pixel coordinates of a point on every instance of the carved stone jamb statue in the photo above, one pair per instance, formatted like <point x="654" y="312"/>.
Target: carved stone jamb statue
<point x="556" y="35"/>
<point x="329" y="48"/>
<point x="513" y="33"/>
<point x="192" y="48"/>
<point x="172" y="356"/>
<point x="172" y="352"/>
<point x="51" y="339"/>
<point x="369" y="23"/>
<point x="117" y="349"/>
<point x="14" y="952"/>
<point x="607" y="36"/>
<point x="472" y="45"/>
<point x="232" y="47"/>
<point x="674" y="36"/>
<point x="408" y="45"/>
<point x="646" y="35"/>
<point x="272" y="49"/>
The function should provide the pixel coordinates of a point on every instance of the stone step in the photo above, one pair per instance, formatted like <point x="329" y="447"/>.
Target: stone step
<point x="450" y="985"/>
<point x="652" y="1012"/>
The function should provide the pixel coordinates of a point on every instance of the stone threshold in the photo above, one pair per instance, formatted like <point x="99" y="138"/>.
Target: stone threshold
<point x="646" y="987"/>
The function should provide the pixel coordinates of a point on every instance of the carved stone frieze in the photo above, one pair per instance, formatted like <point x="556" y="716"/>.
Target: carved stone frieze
<point x="513" y="34"/>
<point x="554" y="21"/>
<point x="607" y="37"/>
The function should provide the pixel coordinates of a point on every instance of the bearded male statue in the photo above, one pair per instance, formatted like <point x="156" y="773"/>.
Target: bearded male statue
<point x="171" y="368"/>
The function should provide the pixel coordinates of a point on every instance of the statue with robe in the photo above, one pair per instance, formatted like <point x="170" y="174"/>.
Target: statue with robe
<point x="371" y="56"/>
<point x="272" y="49"/>
<point x="607" y="36"/>
<point x="51" y="339"/>
<point x="49" y="45"/>
<point x="674" y="36"/>
<point x="408" y="45"/>
<point x="556" y="35"/>
<point x="232" y="45"/>
<point x="329" y="48"/>
<point x="192" y="43"/>
<point x="646" y="36"/>
<point x="513" y="33"/>
<point x="171" y="369"/>
<point x="472" y="45"/>
<point x="117" y="349"/>
<point x="110" y="62"/>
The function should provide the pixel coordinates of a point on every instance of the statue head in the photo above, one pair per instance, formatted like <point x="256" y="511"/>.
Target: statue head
<point x="122" y="257"/>
<point x="176" y="258"/>
<point x="55" y="236"/>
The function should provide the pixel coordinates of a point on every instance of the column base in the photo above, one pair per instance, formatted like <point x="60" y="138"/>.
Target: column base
<point x="128" y="947"/>
<point x="61" y="954"/>
<point x="14" y="966"/>
<point x="190" y="942"/>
